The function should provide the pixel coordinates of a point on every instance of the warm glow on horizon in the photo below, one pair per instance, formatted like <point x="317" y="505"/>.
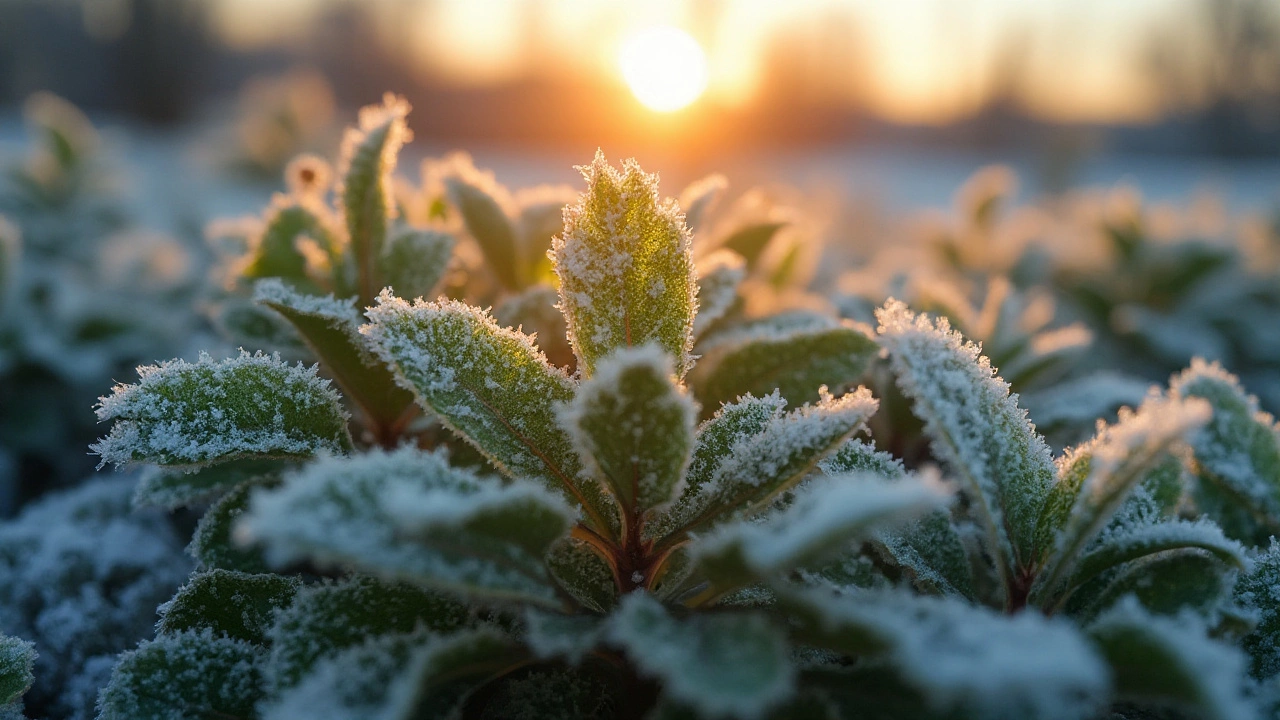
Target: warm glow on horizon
<point x="664" y="66"/>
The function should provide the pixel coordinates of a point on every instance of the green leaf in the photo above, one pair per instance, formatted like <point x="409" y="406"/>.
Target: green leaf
<point x="482" y="204"/>
<point x="794" y="355"/>
<point x="1098" y="476"/>
<point x="368" y="160"/>
<point x="966" y="660"/>
<point x="409" y="515"/>
<point x="733" y="423"/>
<point x="414" y="261"/>
<point x="1259" y="590"/>
<point x="625" y="268"/>
<point x="171" y="489"/>
<point x="196" y="414"/>
<point x="1169" y="583"/>
<point x="633" y="426"/>
<point x="1170" y="661"/>
<point x="213" y="544"/>
<point x="493" y="387"/>
<point x="231" y="604"/>
<point x="1131" y="543"/>
<point x="725" y="665"/>
<point x="17" y="658"/>
<point x="975" y="426"/>
<point x="751" y="240"/>
<point x="758" y="469"/>
<point x="719" y="275"/>
<point x="278" y="251"/>
<point x="326" y="619"/>
<point x="188" y="675"/>
<point x="330" y="328"/>
<point x="410" y="675"/>
<point x="583" y="573"/>
<point x="826" y="517"/>
<point x="540" y="218"/>
<point x="1238" y="454"/>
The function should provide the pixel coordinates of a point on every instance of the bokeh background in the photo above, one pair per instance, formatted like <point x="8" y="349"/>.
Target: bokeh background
<point x="898" y="101"/>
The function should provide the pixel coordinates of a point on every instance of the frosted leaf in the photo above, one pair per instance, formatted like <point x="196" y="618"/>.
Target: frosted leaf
<point x="625" y="267"/>
<point x="1081" y="401"/>
<point x="330" y="327"/>
<point x="168" y="488"/>
<point x="490" y="385"/>
<point x="276" y="251"/>
<point x="964" y="659"/>
<point x="540" y="218"/>
<point x="975" y="426"/>
<point x="417" y="675"/>
<point x="826" y="517"/>
<point x="1169" y="583"/>
<point x="633" y="427"/>
<point x="858" y="456"/>
<point x="793" y="357"/>
<point x="212" y="543"/>
<point x="409" y="515"/>
<point x="699" y="198"/>
<point x="725" y="665"/>
<point x="1238" y="454"/>
<point x="368" y="160"/>
<point x="177" y="677"/>
<point x="486" y="208"/>
<point x="1096" y="478"/>
<point x="194" y="414"/>
<point x="231" y="604"/>
<point x="1124" y="545"/>
<point x="719" y="275"/>
<point x="1171" y="661"/>
<point x="17" y="658"/>
<point x="1259" y="590"/>
<point x="571" y="637"/>
<point x="583" y="573"/>
<point x="759" y="467"/>
<point x="414" y="261"/>
<point x="732" y="424"/>
<point x="326" y="619"/>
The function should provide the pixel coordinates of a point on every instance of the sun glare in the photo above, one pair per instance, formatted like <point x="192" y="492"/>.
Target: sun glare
<point x="664" y="67"/>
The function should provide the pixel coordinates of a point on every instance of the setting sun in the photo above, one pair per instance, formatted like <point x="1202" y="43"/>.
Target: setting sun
<point x="665" y="67"/>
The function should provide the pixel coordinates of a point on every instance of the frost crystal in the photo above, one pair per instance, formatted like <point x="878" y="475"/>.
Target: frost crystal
<point x="625" y="267"/>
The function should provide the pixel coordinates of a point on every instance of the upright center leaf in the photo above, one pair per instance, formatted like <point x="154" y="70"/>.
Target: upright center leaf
<point x="626" y="268"/>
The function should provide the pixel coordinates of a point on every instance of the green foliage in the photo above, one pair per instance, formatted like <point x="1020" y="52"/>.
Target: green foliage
<point x="231" y="604"/>
<point x="625" y="268"/>
<point x="17" y="657"/>
<point x="212" y="545"/>
<point x="793" y="354"/>
<point x="189" y="674"/>
<point x="191" y="415"/>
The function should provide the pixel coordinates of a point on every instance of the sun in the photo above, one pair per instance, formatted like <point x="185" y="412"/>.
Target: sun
<point x="664" y="67"/>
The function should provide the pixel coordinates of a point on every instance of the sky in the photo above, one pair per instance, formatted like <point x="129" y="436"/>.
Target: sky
<point x="907" y="60"/>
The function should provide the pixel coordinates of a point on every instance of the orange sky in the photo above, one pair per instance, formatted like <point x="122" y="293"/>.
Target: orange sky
<point x="922" y="60"/>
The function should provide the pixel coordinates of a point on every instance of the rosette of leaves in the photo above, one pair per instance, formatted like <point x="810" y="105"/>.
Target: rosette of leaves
<point x="628" y="561"/>
<point x="311" y="266"/>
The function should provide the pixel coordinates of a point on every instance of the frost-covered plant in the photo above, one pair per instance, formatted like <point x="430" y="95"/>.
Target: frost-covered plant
<point x="80" y="576"/>
<point x="83" y="298"/>
<point x="16" y="660"/>
<point x="617" y="558"/>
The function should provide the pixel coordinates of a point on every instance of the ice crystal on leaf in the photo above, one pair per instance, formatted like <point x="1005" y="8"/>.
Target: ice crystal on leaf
<point x="194" y="414"/>
<point x="625" y="268"/>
